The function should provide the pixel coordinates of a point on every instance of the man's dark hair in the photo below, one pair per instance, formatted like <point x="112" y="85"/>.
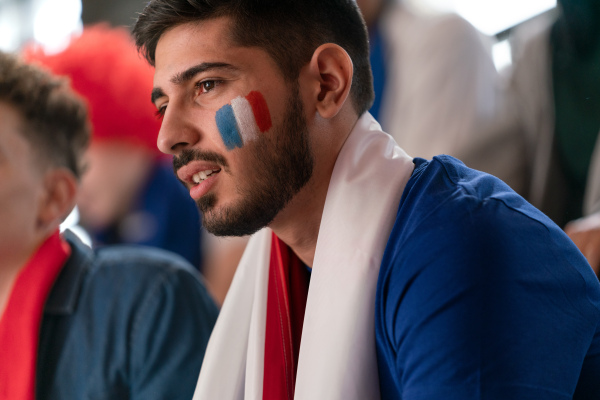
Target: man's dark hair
<point x="54" y="117"/>
<point x="288" y="30"/>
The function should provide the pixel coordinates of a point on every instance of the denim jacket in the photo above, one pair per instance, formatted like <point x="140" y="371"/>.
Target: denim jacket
<point x="125" y="323"/>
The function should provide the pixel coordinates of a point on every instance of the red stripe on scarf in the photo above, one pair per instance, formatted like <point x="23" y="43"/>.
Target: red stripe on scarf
<point x="286" y="302"/>
<point x="22" y="318"/>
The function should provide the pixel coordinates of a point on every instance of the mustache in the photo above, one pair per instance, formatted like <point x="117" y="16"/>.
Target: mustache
<point x="189" y="155"/>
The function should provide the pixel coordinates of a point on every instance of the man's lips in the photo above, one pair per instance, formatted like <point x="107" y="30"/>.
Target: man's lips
<point x="197" y="171"/>
<point x="199" y="177"/>
<point x="203" y="175"/>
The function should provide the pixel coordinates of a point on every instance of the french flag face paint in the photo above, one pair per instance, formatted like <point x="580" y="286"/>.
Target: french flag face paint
<point x="243" y="119"/>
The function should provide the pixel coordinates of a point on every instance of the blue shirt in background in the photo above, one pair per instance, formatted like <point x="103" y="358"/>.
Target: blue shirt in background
<point x="164" y="216"/>
<point x="378" y="67"/>
<point x="123" y="322"/>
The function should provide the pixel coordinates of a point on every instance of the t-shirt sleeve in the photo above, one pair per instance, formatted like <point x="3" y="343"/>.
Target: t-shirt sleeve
<point x="169" y="337"/>
<point x="484" y="301"/>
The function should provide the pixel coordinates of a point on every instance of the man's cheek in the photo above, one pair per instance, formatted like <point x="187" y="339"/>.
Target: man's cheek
<point x="241" y="121"/>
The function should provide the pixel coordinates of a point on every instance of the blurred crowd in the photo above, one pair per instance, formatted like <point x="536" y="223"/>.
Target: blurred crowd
<point x="533" y="124"/>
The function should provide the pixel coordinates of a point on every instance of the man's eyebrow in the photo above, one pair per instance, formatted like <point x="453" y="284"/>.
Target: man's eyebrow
<point x="188" y="74"/>
<point x="185" y="76"/>
<point x="157" y="93"/>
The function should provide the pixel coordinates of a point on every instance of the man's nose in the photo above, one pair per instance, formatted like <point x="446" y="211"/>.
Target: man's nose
<point x="175" y="135"/>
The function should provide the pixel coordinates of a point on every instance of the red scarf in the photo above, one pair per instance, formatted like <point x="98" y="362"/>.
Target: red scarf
<point x="20" y="323"/>
<point x="286" y="301"/>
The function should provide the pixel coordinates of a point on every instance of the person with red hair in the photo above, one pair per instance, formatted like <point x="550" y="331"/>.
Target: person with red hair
<point x="128" y="194"/>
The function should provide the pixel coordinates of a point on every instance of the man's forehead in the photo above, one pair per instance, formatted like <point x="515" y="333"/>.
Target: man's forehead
<point x="11" y="129"/>
<point x="186" y="42"/>
<point x="11" y="116"/>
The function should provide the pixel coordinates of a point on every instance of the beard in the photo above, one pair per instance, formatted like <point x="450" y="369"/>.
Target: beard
<point x="282" y="164"/>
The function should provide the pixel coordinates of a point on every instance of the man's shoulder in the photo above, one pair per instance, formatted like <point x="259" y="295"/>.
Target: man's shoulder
<point x="444" y="184"/>
<point x="468" y="267"/>
<point x="141" y="260"/>
<point x="454" y="222"/>
<point x="128" y="273"/>
<point x="126" y="259"/>
<point x="123" y="309"/>
<point x="452" y="218"/>
<point x="130" y="283"/>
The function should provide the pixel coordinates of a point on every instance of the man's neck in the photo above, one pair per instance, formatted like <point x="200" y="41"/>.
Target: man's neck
<point x="299" y="222"/>
<point x="8" y="275"/>
<point x="13" y="263"/>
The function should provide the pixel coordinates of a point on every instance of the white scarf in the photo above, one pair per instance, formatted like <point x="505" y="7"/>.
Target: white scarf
<point x="337" y="357"/>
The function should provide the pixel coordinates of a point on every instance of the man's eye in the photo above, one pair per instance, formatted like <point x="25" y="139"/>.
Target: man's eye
<point x="207" y="86"/>
<point x="160" y="113"/>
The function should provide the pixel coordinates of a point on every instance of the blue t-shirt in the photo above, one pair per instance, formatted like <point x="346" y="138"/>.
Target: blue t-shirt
<point x="481" y="296"/>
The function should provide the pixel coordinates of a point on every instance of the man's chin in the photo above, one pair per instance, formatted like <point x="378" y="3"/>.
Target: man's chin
<point x="206" y="203"/>
<point x="228" y="228"/>
<point x="240" y="221"/>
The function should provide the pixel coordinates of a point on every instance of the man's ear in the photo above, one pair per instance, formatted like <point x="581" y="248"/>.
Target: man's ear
<point x="332" y="67"/>
<point x="60" y="194"/>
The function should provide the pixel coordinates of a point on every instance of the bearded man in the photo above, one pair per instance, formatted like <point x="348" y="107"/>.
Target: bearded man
<point x="370" y="274"/>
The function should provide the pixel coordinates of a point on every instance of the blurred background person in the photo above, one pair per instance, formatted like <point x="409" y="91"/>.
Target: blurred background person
<point x="554" y="107"/>
<point x="117" y="323"/>
<point x="129" y="193"/>
<point x="435" y="82"/>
